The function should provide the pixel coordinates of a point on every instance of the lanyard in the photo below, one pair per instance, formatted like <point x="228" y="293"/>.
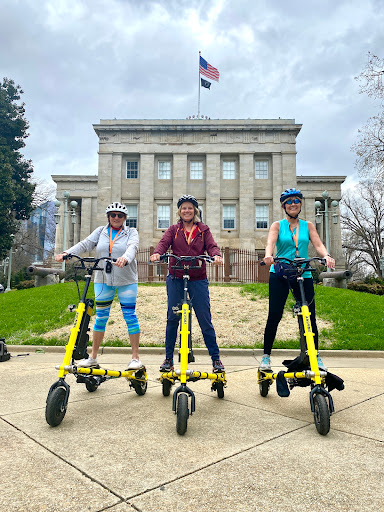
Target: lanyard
<point x="190" y="235"/>
<point x="111" y="242"/>
<point x="295" y="239"/>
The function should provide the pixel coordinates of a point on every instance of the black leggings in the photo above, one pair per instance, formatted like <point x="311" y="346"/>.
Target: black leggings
<point x="278" y="294"/>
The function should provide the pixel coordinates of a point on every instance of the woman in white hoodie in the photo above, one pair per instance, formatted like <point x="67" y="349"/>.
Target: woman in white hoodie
<point x="118" y="241"/>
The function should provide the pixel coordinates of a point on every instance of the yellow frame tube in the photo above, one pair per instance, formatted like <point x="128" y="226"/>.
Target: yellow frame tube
<point x="310" y="340"/>
<point x="72" y="338"/>
<point x="193" y="374"/>
<point x="128" y="374"/>
<point x="184" y="349"/>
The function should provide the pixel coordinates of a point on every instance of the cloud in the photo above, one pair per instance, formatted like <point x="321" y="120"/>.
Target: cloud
<point x="80" y="61"/>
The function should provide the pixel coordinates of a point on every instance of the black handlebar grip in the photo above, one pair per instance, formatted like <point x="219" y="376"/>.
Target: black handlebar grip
<point x="262" y="263"/>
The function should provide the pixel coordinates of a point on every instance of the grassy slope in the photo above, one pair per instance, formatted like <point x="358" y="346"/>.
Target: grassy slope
<point x="357" y="318"/>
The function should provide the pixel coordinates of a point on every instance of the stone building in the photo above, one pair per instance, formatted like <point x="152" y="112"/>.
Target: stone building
<point x="235" y="168"/>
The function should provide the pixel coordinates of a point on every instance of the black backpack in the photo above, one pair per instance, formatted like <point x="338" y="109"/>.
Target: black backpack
<point x="4" y="354"/>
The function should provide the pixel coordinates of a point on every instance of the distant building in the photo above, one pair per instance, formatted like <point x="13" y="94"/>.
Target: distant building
<point x="235" y="168"/>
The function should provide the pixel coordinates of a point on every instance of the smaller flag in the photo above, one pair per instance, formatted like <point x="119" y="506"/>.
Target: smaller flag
<point x="205" y="83"/>
<point x="208" y="70"/>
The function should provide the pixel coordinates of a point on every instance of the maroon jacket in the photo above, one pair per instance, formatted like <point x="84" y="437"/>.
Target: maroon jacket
<point x="203" y="242"/>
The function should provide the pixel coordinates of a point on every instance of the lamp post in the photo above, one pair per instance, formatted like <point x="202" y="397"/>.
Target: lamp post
<point x="73" y="205"/>
<point x="325" y="213"/>
<point x="8" y="288"/>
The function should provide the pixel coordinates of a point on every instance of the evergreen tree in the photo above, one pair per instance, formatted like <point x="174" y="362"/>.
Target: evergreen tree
<point x="16" y="189"/>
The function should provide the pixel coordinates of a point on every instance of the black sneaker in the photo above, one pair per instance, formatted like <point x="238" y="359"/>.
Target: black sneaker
<point x="167" y="365"/>
<point x="218" y="366"/>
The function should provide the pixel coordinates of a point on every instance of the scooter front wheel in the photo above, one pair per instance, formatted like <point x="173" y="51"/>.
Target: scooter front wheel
<point x="321" y="414"/>
<point x="56" y="406"/>
<point x="182" y="413"/>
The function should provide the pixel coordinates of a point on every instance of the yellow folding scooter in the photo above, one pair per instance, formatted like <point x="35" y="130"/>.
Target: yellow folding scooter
<point x="183" y="393"/>
<point x="57" y="399"/>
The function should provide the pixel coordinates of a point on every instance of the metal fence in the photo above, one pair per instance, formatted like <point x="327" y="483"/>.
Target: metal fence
<point x="240" y="266"/>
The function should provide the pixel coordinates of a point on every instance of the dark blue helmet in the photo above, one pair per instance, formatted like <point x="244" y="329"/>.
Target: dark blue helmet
<point x="187" y="198"/>
<point x="290" y="192"/>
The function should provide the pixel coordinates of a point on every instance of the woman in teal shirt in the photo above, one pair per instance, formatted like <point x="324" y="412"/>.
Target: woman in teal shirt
<point x="291" y="238"/>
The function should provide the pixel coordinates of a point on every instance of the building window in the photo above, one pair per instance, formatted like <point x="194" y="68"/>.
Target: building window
<point x="262" y="216"/>
<point x="261" y="168"/>
<point x="163" y="216"/>
<point x="164" y="171"/>
<point x="132" y="215"/>
<point x="229" y="170"/>
<point x="229" y="216"/>
<point x="132" y="170"/>
<point x="196" y="170"/>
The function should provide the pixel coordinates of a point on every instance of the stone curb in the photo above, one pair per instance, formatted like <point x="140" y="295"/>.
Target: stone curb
<point x="223" y="351"/>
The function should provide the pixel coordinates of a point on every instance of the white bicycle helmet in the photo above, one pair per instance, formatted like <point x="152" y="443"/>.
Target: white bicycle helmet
<point x="116" y="207"/>
<point x="187" y="198"/>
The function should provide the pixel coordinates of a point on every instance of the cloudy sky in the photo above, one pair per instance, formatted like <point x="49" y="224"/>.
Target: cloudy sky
<point x="79" y="61"/>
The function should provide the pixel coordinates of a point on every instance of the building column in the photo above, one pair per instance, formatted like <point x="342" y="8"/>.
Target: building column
<point x="213" y="208"/>
<point x="86" y="217"/>
<point x="116" y="177"/>
<point x="147" y="196"/>
<point x="246" y="201"/>
<point x="277" y="178"/>
<point x="179" y="181"/>
<point x="104" y="190"/>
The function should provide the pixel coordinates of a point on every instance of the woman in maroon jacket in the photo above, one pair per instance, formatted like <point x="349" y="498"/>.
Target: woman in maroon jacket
<point x="189" y="237"/>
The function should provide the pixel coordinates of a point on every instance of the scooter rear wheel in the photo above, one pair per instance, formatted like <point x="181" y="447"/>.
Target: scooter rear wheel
<point x="182" y="414"/>
<point x="140" y="386"/>
<point x="264" y="387"/>
<point x="220" y="389"/>
<point x="321" y="414"/>
<point x="56" y="407"/>
<point x="167" y="385"/>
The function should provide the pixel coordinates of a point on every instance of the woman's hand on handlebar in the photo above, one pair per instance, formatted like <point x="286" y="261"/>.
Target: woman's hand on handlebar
<point x="218" y="260"/>
<point x="330" y="261"/>
<point x="154" y="257"/>
<point x="268" y="260"/>
<point x="59" y="257"/>
<point x="120" y="262"/>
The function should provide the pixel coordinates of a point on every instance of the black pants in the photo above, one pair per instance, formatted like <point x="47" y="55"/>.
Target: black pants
<point x="278" y="294"/>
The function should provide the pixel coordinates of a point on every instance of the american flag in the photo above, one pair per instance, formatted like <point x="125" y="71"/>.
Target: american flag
<point x="208" y="70"/>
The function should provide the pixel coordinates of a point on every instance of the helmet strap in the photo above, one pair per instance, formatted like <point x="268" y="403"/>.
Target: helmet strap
<point x="291" y="216"/>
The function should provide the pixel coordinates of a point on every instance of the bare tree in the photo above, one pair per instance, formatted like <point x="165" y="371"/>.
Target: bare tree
<point x="362" y="222"/>
<point x="369" y="146"/>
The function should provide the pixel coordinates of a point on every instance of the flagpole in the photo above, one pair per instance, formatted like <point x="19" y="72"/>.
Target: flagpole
<point x="198" y="103"/>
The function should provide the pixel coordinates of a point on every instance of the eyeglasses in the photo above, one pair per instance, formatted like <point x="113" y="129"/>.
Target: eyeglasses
<point x="293" y="201"/>
<point x="120" y="215"/>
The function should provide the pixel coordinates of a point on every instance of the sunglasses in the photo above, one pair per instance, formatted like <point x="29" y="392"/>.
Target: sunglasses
<point x="120" y="215"/>
<point x="293" y="201"/>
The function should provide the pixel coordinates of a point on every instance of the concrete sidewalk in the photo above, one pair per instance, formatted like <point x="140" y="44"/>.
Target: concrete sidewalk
<point x="120" y="452"/>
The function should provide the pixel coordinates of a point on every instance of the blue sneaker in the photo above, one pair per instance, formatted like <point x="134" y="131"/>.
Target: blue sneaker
<point x="320" y="364"/>
<point x="265" y="362"/>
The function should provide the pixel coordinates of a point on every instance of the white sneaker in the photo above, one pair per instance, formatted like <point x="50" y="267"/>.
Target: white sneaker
<point x="135" y="364"/>
<point x="88" y="363"/>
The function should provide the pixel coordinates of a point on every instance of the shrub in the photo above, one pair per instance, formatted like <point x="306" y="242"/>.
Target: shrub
<point x="377" y="288"/>
<point x="22" y="285"/>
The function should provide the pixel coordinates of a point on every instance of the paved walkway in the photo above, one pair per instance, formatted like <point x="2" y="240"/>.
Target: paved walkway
<point x="120" y="452"/>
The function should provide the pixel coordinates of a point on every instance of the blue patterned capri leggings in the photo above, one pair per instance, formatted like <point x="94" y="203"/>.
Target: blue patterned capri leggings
<point x="104" y="296"/>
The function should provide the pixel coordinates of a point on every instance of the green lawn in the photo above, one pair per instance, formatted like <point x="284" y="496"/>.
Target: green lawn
<point x="357" y="317"/>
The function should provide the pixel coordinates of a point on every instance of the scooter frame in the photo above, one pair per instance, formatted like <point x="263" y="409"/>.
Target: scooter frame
<point x="76" y="348"/>
<point x="321" y="401"/>
<point x="182" y="393"/>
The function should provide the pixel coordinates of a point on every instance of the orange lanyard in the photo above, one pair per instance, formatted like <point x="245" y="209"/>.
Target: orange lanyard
<point x="189" y="239"/>
<point x="296" y="239"/>
<point x="111" y="242"/>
